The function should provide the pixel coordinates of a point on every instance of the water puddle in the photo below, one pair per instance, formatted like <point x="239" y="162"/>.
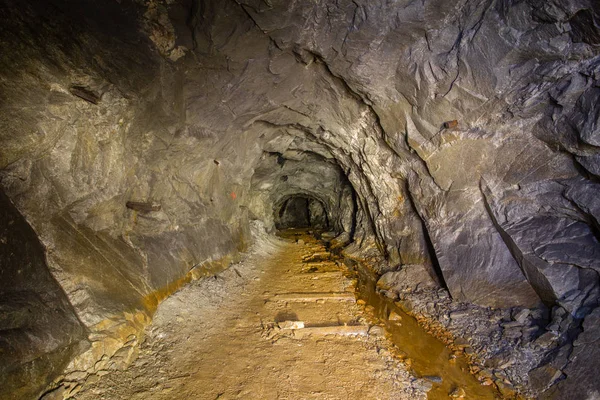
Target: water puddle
<point x="429" y="357"/>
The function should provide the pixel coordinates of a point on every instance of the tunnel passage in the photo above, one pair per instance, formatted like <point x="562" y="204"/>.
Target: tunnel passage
<point x="302" y="212"/>
<point x="296" y="188"/>
<point x="460" y="137"/>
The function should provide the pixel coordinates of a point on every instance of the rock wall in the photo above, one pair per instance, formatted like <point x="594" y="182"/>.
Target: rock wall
<point x="461" y="137"/>
<point x="39" y="331"/>
<point x="92" y="121"/>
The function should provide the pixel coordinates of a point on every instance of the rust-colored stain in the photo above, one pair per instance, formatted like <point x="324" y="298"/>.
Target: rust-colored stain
<point x="428" y="346"/>
<point x="152" y="300"/>
<point x="450" y="124"/>
<point x="233" y="195"/>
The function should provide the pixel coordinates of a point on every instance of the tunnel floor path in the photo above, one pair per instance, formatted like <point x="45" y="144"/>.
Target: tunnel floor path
<point x="225" y="337"/>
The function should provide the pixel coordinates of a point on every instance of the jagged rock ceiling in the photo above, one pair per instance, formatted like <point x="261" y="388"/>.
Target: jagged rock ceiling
<point x="192" y="107"/>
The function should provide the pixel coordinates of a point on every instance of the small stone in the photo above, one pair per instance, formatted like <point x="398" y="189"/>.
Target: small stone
<point x="433" y="378"/>
<point x="430" y="308"/>
<point x="383" y="352"/>
<point x="361" y="302"/>
<point x="484" y="374"/>
<point x="558" y="312"/>
<point x="513" y="324"/>
<point x="566" y="322"/>
<point x="554" y="327"/>
<point x="376" y="330"/>
<point x="507" y="364"/>
<point x="291" y="325"/>
<point x="500" y="375"/>
<point x="457" y="393"/>
<point x="300" y="242"/>
<point x="512" y="332"/>
<point x="422" y="385"/>
<point x="530" y="331"/>
<point x="459" y="314"/>
<point x="522" y="315"/>
<point x="547" y="340"/>
<point x="394" y="316"/>
<point x="450" y="124"/>
<point x="537" y="313"/>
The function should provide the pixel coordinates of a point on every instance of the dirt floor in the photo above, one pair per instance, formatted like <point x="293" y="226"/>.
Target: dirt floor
<point x="224" y="337"/>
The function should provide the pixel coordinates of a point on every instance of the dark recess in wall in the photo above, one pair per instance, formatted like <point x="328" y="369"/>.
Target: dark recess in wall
<point x="39" y="331"/>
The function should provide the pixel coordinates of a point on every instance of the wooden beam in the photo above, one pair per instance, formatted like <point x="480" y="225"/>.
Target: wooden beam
<point x="141" y="206"/>
<point x="337" y="330"/>
<point x="315" y="296"/>
<point x="450" y="124"/>
<point x="85" y="94"/>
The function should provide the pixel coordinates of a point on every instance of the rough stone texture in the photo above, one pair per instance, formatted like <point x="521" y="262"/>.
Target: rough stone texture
<point x="199" y="106"/>
<point x="70" y="165"/>
<point x="409" y="278"/>
<point x="584" y="358"/>
<point x="39" y="331"/>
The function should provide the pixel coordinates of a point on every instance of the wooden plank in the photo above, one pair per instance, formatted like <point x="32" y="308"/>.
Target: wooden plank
<point x="315" y="296"/>
<point x="337" y="330"/>
<point x="316" y="257"/>
<point x="85" y="94"/>
<point x="141" y="206"/>
<point x="323" y="274"/>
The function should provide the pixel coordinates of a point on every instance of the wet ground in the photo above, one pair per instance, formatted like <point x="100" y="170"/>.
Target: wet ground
<point x="284" y="324"/>
<point x="426" y="355"/>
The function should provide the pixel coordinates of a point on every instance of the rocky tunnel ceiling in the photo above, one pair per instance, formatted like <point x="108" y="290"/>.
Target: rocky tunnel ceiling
<point x="141" y="140"/>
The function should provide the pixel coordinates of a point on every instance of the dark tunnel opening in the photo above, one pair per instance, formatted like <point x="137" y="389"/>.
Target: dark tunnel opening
<point x="299" y="212"/>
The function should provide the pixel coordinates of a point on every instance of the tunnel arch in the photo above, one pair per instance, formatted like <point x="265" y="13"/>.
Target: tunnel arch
<point x="301" y="211"/>
<point x="285" y="174"/>
<point x="488" y="176"/>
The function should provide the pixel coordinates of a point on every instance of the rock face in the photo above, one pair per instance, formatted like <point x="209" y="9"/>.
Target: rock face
<point x="460" y="137"/>
<point x="39" y="331"/>
<point x="409" y="278"/>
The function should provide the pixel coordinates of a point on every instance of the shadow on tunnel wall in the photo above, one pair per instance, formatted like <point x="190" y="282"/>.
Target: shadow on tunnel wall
<point x="39" y="331"/>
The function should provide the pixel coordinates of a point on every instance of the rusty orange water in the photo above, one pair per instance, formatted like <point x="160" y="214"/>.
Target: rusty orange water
<point x="429" y="357"/>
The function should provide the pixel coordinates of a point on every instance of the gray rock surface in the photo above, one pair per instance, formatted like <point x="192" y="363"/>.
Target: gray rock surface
<point x="408" y="279"/>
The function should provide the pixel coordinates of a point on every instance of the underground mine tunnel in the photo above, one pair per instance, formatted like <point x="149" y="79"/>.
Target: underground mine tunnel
<point x="266" y="199"/>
